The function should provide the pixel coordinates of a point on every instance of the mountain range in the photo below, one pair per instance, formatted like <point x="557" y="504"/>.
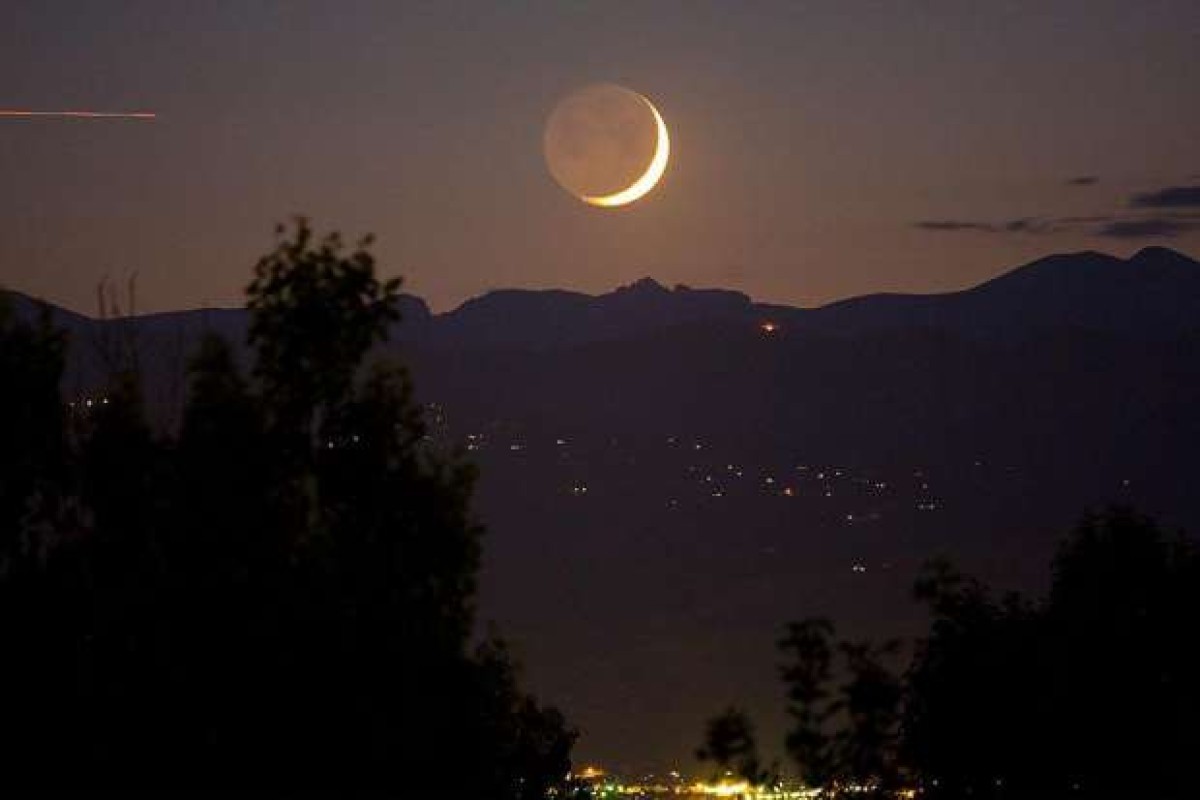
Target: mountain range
<point x="1152" y="295"/>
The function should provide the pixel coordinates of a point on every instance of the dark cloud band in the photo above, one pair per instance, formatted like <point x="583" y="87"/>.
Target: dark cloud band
<point x="952" y="225"/>
<point x="1175" y="219"/>
<point x="1113" y="227"/>
<point x="1171" y="197"/>
<point x="1148" y="228"/>
<point x="1022" y="225"/>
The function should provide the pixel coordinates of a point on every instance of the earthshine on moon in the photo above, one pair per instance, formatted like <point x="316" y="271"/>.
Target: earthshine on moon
<point x="607" y="145"/>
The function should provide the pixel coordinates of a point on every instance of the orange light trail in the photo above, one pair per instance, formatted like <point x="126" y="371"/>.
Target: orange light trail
<point x="27" y="114"/>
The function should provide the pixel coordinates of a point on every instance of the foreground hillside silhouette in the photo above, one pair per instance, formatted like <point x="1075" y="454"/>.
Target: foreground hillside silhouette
<point x="279" y="594"/>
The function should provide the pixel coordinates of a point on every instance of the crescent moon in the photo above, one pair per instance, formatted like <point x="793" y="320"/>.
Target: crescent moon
<point x="649" y="178"/>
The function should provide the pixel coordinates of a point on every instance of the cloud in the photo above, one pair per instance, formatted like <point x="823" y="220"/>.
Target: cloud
<point x="1107" y="225"/>
<point x="1171" y="197"/>
<point x="1085" y="220"/>
<point x="1167" y="212"/>
<point x="953" y="225"/>
<point x="1021" y="225"/>
<point x="1148" y="227"/>
<point x="1029" y="225"/>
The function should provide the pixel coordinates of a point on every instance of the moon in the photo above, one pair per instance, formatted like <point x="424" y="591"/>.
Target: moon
<point x="606" y="145"/>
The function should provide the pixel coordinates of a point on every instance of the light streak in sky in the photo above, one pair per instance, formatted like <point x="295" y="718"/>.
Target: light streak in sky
<point x="22" y="113"/>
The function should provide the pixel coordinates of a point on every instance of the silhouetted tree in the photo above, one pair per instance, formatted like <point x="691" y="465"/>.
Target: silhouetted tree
<point x="807" y="671"/>
<point x="966" y="681"/>
<point x="31" y="430"/>
<point x="870" y="704"/>
<point x="843" y="735"/>
<point x="37" y="516"/>
<point x="1091" y="691"/>
<point x="1123" y="609"/>
<point x="315" y="311"/>
<point x="730" y="745"/>
<point x="844" y="702"/>
<point x="282" y="594"/>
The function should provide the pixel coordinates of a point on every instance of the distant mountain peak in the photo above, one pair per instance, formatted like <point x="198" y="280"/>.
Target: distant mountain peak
<point x="1161" y="255"/>
<point x="644" y="286"/>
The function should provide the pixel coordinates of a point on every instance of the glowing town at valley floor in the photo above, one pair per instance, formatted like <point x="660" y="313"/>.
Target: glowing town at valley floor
<point x="604" y="785"/>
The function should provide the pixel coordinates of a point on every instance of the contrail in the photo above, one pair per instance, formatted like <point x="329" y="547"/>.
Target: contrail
<point x="26" y="114"/>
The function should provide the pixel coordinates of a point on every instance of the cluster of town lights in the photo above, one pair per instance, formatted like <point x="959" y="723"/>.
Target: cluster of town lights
<point x="604" y="786"/>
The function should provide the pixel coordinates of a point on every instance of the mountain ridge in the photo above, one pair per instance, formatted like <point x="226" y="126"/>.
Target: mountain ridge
<point x="1155" y="293"/>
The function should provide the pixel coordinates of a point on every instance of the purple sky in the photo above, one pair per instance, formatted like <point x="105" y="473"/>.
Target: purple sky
<point x="810" y="141"/>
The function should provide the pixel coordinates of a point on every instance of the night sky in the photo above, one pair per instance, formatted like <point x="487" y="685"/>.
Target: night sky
<point x="820" y="150"/>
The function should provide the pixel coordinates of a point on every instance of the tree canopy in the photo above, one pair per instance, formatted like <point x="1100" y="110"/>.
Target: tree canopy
<point x="279" y="593"/>
<point x="1090" y="691"/>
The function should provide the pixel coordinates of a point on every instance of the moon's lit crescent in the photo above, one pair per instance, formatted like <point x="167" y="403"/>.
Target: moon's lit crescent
<point x="653" y="173"/>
